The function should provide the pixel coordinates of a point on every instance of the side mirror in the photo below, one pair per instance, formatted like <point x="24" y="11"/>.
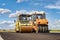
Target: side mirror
<point x="14" y="20"/>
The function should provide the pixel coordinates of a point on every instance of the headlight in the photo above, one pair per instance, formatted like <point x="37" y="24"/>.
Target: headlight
<point x="34" y="22"/>
<point x="29" y="24"/>
<point x="47" y="22"/>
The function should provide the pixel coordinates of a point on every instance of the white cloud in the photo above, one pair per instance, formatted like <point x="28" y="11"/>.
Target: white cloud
<point x="17" y="13"/>
<point x="12" y="25"/>
<point x="58" y="12"/>
<point x="7" y="24"/>
<point x="52" y="7"/>
<point x="56" y="5"/>
<point x="2" y="22"/>
<point x="55" y="25"/>
<point x="12" y="15"/>
<point x="18" y="1"/>
<point x="36" y="4"/>
<point x="3" y="4"/>
<point x="3" y="11"/>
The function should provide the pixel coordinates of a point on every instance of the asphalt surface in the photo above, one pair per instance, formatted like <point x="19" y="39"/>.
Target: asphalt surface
<point x="30" y="36"/>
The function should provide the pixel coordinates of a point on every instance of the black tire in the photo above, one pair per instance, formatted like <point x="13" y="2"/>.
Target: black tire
<point x="17" y="31"/>
<point x="40" y="29"/>
<point x="43" y="29"/>
<point x="47" y="30"/>
<point x="34" y="31"/>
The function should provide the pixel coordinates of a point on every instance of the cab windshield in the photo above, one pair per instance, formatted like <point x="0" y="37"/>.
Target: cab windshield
<point x="38" y="16"/>
<point x="25" y="17"/>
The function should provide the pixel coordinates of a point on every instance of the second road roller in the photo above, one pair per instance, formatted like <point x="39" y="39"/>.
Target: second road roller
<point x="40" y="23"/>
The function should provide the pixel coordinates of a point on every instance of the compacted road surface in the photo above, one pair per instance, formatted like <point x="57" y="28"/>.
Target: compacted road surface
<point x="30" y="36"/>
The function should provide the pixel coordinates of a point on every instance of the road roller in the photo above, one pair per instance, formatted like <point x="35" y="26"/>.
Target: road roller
<point x="23" y="23"/>
<point x="39" y="21"/>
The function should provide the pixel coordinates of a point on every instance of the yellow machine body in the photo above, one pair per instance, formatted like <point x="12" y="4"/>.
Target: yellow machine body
<point x="36" y="22"/>
<point x="23" y="25"/>
<point x="40" y="22"/>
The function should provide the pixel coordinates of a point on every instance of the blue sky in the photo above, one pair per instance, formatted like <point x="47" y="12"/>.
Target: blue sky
<point x="10" y="8"/>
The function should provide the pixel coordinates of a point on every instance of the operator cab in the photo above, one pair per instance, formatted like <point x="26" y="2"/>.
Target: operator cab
<point x="24" y="17"/>
<point x="40" y="21"/>
<point x="38" y="15"/>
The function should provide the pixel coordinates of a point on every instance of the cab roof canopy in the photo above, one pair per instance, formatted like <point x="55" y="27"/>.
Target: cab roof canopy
<point x="24" y="15"/>
<point x="38" y="12"/>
